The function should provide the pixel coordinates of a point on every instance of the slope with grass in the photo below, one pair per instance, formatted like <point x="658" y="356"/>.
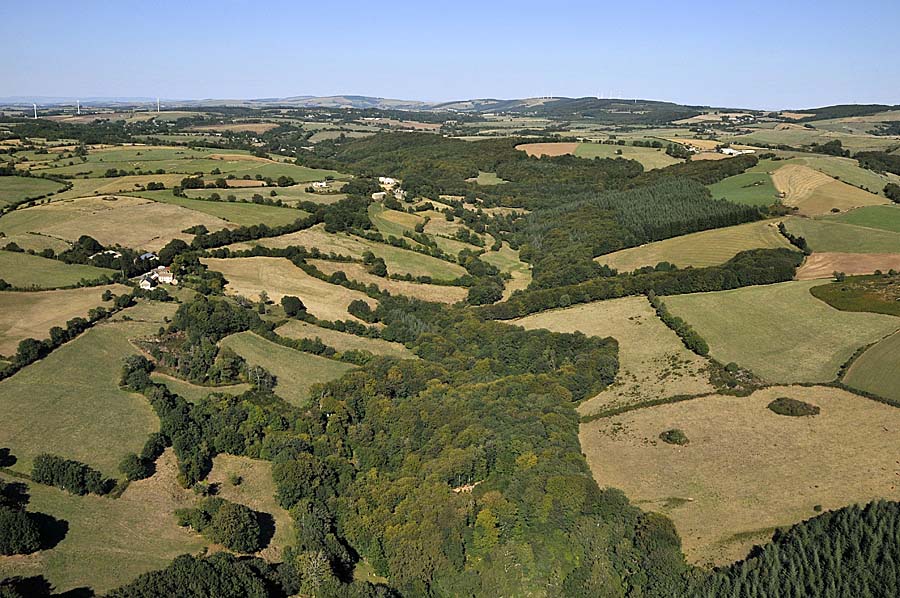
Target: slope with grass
<point x="256" y="490"/>
<point x="780" y="332"/>
<point x="753" y="187"/>
<point x="249" y="276"/>
<point x="18" y="189"/>
<point x="649" y="157"/>
<point x="653" y="362"/>
<point x="813" y="192"/>
<point x="240" y="213"/>
<point x="25" y="271"/>
<point x="823" y="265"/>
<point x="109" y="542"/>
<point x="343" y="341"/>
<point x="827" y="235"/>
<point x="706" y="248"/>
<point x="295" y="371"/>
<point x="398" y="261"/>
<point x="425" y="292"/>
<point x="32" y="314"/>
<point x="69" y="403"/>
<point x="127" y="221"/>
<point x="392" y="222"/>
<point x="747" y="470"/>
<point x="880" y="217"/>
<point x="506" y="259"/>
<point x="877" y="370"/>
<point x="196" y="392"/>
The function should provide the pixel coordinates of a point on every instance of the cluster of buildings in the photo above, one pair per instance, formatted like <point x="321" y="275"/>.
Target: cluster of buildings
<point x="157" y="276"/>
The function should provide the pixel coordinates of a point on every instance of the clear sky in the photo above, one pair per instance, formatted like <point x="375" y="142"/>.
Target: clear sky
<point x="764" y="54"/>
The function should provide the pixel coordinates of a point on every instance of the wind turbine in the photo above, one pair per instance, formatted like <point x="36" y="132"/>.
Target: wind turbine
<point x="78" y="107"/>
<point x="35" y="111"/>
<point x="157" y="105"/>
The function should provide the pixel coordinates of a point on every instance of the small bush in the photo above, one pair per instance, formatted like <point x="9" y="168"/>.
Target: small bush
<point x="792" y="407"/>
<point x="674" y="436"/>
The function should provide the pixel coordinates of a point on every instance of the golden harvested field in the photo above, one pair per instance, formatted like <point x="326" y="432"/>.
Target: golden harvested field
<point x="747" y="470"/>
<point x="780" y="332"/>
<point x="816" y="193"/>
<point x="822" y="265"/>
<point x="425" y="292"/>
<point x="32" y="314"/>
<point x="706" y="248"/>
<point x="127" y="221"/>
<point x="111" y="541"/>
<point x="343" y="341"/>
<point x="548" y="149"/>
<point x="257" y="491"/>
<point x="400" y="261"/>
<point x="244" y="183"/>
<point x="653" y="362"/>
<point x="277" y="276"/>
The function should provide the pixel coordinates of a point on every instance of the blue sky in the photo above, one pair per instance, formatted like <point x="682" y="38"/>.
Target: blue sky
<point x="746" y="54"/>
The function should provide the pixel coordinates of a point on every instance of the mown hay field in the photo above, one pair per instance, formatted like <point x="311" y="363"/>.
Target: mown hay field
<point x="24" y="271"/>
<point x="109" y="542"/>
<point x="653" y="362"/>
<point x="814" y="192"/>
<point x="343" y="341"/>
<point x="425" y="292"/>
<point x="70" y="403"/>
<point x="289" y="195"/>
<point x="828" y="235"/>
<point x="823" y="265"/>
<point x="393" y="222"/>
<point x="398" y="260"/>
<point x="277" y="276"/>
<point x="548" y="149"/>
<point x="32" y="314"/>
<point x="649" y="157"/>
<point x="746" y="470"/>
<point x="780" y="331"/>
<point x="877" y="370"/>
<point x="239" y="213"/>
<point x="127" y="221"/>
<point x="706" y="248"/>
<point x="294" y="370"/>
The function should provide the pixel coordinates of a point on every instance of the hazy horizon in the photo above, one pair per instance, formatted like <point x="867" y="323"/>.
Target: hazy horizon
<point x="767" y="56"/>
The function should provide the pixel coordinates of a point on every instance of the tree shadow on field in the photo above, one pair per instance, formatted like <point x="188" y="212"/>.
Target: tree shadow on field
<point x="38" y="586"/>
<point x="266" y="528"/>
<point x="53" y="530"/>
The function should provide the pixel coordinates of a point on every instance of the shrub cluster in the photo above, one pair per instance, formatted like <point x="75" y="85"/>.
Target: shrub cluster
<point x="792" y="407"/>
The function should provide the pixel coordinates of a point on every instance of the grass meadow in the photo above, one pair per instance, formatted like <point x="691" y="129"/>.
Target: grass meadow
<point x="24" y="270"/>
<point x="780" y="332"/>
<point x="746" y="471"/>
<point x="653" y="362"/>
<point x="295" y="371"/>
<point x="706" y="248"/>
